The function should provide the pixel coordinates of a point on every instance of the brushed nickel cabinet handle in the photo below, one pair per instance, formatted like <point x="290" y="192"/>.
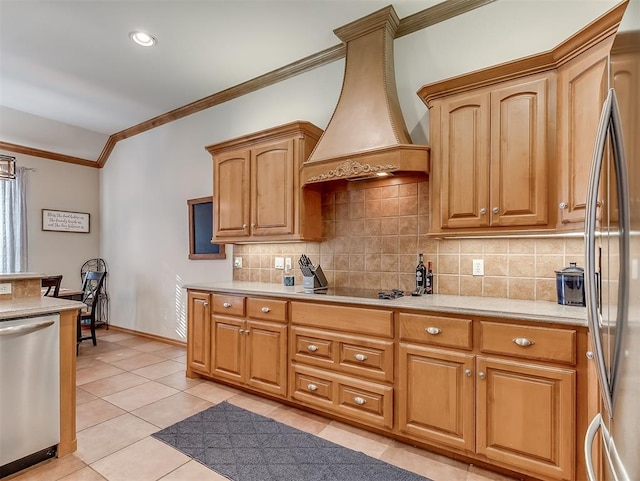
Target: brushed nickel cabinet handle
<point x="241" y="331"/>
<point x="563" y="205"/>
<point x="467" y="372"/>
<point x="482" y="375"/>
<point x="265" y="309"/>
<point x="226" y="304"/>
<point x="483" y="211"/>
<point x="523" y="341"/>
<point x="205" y="304"/>
<point x="360" y="357"/>
<point x="589" y="354"/>
<point x="312" y="348"/>
<point x="434" y="331"/>
<point x="495" y="210"/>
<point x="244" y="226"/>
<point x="312" y="387"/>
<point x="359" y="400"/>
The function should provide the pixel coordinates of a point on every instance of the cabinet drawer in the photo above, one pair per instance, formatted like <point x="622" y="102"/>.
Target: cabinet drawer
<point x="366" y="402"/>
<point x="436" y="330"/>
<point x="374" y="322"/>
<point x="548" y="344"/>
<point x="229" y="305"/>
<point x="267" y="309"/>
<point x="357" y="355"/>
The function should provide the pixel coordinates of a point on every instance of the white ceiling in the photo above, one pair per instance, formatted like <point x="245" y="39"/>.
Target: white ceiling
<point x="72" y="61"/>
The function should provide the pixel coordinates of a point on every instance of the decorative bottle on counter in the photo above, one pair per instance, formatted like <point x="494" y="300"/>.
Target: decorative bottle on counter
<point x="428" y="283"/>
<point x="421" y="275"/>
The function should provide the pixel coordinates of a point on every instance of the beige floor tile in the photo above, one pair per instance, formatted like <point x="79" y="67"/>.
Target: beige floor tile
<point x="86" y="348"/>
<point x="180" y="381"/>
<point x="84" y="474"/>
<point x="145" y="460"/>
<point x="151" y="346"/>
<point x="302" y="420"/>
<point x="160" y="369"/>
<point x="110" y="436"/>
<point x="138" y="396"/>
<point x="363" y="441"/>
<point x="254" y="404"/>
<point x="100" y="371"/>
<point x="86" y="362"/>
<point x="133" y="341"/>
<point x="114" y="384"/>
<point x="113" y="337"/>
<point x="214" y="393"/>
<point x="172" y="409"/>
<point x="476" y="473"/>
<point x="117" y="354"/>
<point x="95" y="412"/>
<point x="193" y="471"/>
<point x="136" y="362"/>
<point x="171" y="352"/>
<point x="182" y="359"/>
<point x="83" y="396"/>
<point x="51" y="470"/>
<point x="425" y="465"/>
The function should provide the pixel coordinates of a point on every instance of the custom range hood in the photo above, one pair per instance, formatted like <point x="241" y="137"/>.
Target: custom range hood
<point x="367" y="135"/>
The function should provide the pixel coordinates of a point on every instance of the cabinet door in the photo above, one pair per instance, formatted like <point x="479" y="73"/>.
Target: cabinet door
<point x="582" y="89"/>
<point x="272" y="189"/>
<point x="436" y="398"/>
<point x="464" y="161"/>
<point x="526" y="416"/>
<point x="231" y="194"/>
<point x="266" y="356"/>
<point x="199" y="331"/>
<point x="227" y="354"/>
<point x="519" y="154"/>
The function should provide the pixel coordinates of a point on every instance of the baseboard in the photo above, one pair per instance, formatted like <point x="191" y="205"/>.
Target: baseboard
<point x="153" y="337"/>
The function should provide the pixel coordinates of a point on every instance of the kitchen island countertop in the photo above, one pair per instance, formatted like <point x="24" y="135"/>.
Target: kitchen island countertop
<point x="35" y="306"/>
<point x="541" y="311"/>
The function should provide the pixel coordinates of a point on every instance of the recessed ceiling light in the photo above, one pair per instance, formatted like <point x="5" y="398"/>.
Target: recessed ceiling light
<point x="143" y="38"/>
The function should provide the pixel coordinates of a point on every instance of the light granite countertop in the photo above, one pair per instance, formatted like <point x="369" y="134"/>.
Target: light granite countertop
<point x="34" y="306"/>
<point x="541" y="311"/>
<point x="16" y="276"/>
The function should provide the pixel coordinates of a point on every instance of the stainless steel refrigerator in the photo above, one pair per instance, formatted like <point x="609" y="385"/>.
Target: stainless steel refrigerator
<point x="612" y="274"/>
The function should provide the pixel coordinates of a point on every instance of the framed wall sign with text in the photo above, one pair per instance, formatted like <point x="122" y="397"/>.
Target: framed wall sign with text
<point x="65" y="221"/>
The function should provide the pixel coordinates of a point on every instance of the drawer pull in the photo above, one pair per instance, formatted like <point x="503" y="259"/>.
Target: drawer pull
<point x="241" y="331"/>
<point x="226" y="304"/>
<point x="467" y="372"/>
<point x="360" y="357"/>
<point x="312" y="387"/>
<point x="265" y="309"/>
<point x="589" y="355"/>
<point x="482" y="375"/>
<point x="359" y="400"/>
<point x="312" y="348"/>
<point x="523" y="341"/>
<point x="434" y="331"/>
<point x="205" y="304"/>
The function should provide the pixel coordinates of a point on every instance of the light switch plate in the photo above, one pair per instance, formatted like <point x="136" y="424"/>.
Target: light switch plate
<point x="237" y="262"/>
<point x="478" y="267"/>
<point x="279" y="263"/>
<point x="5" y="288"/>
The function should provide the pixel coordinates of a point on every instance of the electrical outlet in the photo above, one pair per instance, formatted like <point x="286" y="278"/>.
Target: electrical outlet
<point x="287" y="263"/>
<point x="237" y="262"/>
<point x="5" y="288"/>
<point x="279" y="262"/>
<point x="478" y="267"/>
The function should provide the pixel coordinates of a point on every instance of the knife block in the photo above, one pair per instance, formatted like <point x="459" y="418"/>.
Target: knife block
<point x="317" y="281"/>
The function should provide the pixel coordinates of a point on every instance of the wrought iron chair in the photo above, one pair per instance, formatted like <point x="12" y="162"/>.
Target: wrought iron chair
<point x="91" y="286"/>
<point x="52" y="284"/>
<point x="102" y="309"/>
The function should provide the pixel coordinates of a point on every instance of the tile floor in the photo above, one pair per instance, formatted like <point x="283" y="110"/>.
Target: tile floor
<point x="129" y="387"/>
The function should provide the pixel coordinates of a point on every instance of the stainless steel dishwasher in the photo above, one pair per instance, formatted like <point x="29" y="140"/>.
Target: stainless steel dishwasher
<point x="29" y="391"/>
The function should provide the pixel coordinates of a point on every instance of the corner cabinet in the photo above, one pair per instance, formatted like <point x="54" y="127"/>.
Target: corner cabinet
<point x="256" y="186"/>
<point x="512" y="144"/>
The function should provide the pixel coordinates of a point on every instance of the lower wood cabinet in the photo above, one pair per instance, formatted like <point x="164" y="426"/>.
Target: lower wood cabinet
<point x="199" y="332"/>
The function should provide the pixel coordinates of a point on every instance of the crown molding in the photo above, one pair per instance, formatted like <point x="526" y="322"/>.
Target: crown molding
<point x="46" y="154"/>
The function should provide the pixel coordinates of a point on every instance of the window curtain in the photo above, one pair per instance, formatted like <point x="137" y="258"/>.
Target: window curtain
<point x="13" y="210"/>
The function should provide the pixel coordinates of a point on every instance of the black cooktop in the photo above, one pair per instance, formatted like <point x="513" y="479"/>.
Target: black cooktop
<point x="357" y="292"/>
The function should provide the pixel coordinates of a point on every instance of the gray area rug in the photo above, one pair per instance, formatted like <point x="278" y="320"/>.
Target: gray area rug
<point x="244" y="446"/>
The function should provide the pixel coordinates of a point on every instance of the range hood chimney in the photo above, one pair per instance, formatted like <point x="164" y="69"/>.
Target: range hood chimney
<point x="367" y="135"/>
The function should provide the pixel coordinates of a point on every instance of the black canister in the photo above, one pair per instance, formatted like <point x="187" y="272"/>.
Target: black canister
<point x="570" y="285"/>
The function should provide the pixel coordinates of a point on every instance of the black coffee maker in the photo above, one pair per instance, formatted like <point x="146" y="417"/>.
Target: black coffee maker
<point x="570" y="285"/>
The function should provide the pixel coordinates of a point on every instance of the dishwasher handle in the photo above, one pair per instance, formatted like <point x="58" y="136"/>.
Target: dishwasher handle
<point x="8" y="331"/>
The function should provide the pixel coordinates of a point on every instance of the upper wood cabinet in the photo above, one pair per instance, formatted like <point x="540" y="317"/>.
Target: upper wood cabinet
<point x="490" y="155"/>
<point x="257" y="190"/>
<point x="512" y="144"/>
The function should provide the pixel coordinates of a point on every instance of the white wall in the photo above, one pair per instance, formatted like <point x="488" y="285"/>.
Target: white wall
<point x="60" y="186"/>
<point x="148" y="178"/>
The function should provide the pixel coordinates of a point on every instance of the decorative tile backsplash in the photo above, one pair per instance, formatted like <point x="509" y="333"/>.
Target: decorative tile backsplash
<point x="373" y="236"/>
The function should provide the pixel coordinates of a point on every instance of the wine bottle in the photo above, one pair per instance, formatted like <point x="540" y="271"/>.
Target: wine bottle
<point x="428" y="282"/>
<point x="421" y="275"/>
